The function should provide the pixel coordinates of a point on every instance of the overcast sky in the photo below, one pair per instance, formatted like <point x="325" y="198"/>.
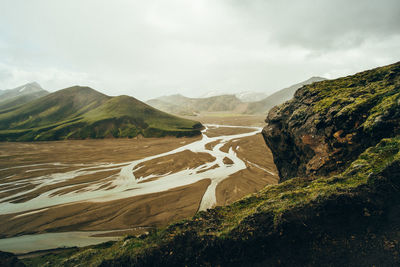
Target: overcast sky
<point x="152" y="48"/>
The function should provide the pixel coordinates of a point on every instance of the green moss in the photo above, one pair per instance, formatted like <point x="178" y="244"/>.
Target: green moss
<point x="359" y="92"/>
<point x="387" y="104"/>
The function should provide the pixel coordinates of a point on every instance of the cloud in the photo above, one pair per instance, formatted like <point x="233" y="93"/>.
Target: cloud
<point x="323" y="24"/>
<point x="150" y="48"/>
<point x="53" y="78"/>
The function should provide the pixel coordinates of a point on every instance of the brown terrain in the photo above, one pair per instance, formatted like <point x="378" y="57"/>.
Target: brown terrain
<point x="147" y="210"/>
<point x="260" y="171"/>
<point x="172" y="163"/>
<point x="19" y="163"/>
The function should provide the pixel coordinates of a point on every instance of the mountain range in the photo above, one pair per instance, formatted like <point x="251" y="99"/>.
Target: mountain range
<point x="82" y="112"/>
<point x="181" y="105"/>
<point x="11" y="98"/>
<point x="238" y="104"/>
<point x="244" y="96"/>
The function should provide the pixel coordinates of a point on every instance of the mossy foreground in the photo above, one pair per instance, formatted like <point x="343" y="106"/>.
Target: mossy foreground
<point x="82" y="113"/>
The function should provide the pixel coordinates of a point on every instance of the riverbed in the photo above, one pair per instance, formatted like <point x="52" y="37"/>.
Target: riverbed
<point x="61" y="188"/>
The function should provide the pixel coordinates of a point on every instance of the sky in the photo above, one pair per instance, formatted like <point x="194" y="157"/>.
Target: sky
<point x="152" y="48"/>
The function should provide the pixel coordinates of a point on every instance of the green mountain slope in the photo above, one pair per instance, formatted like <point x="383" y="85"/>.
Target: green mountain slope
<point x="347" y="216"/>
<point x="263" y="106"/>
<point x="81" y="112"/>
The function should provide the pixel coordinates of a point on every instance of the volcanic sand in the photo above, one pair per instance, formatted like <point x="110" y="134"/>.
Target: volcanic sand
<point x="146" y="210"/>
<point x="260" y="170"/>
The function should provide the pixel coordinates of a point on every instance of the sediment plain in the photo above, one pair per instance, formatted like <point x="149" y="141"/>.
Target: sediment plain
<point x="129" y="185"/>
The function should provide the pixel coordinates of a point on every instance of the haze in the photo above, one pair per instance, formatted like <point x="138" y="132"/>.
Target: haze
<point x="150" y="48"/>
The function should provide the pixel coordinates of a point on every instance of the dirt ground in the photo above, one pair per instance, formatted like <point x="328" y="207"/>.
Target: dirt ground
<point x="173" y="163"/>
<point x="218" y="131"/>
<point x="260" y="171"/>
<point x="22" y="162"/>
<point x="147" y="210"/>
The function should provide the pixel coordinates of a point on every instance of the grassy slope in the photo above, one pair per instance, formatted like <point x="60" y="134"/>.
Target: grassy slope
<point x="375" y="92"/>
<point x="81" y="112"/>
<point x="350" y="218"/>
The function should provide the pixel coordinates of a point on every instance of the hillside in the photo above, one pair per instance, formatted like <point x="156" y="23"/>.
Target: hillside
<point x="244" y="96"/>
<point x="277" y="98"/>
<point x="11" y="98"/>
<point x="241" y="103"/>
<point x="81" y="112"/>
<point x="249" y="96"/>
<point x="182" y="105"/>
<point x="346" y="215"/>
<point x="171" y="108"/>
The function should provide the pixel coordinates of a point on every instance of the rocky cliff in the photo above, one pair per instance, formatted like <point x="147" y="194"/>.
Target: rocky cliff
<point x="328" y="124"/>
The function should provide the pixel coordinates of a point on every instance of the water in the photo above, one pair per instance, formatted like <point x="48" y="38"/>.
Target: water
<point x="124" y="182"/>
<point x="28" y="243"/>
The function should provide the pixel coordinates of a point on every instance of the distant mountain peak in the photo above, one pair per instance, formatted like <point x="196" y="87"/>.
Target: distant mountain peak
<point x="35" y="84"/>
<point x="315" y="79"/>
<point x="20" y="95"/>
<point x="27" y="88"/>
<point x="251" y="96"/>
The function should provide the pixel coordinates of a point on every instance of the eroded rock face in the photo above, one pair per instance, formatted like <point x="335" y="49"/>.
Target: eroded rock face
<point x="328" y="124"/>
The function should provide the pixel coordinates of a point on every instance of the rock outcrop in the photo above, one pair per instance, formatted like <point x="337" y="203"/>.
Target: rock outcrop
<point x="328" y="124"/>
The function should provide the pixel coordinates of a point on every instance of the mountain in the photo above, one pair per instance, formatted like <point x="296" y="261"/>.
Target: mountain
<point x="264" y="105"/>
<point x="249" y="96"/>
<point x="171" y="108"/>
<point x="182" y="105"/>
<point x="212" y="93"/>
<point x="81" y="112"/>
<point x="21" y="90"/>
<point x="241" y="103"/>
<point x="23" y="94"/>
<point x="245" y="96"/>
<point x="341" y="140"/>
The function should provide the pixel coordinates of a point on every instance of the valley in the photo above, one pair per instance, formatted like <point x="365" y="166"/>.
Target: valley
<point x="199" y="133"/>
<point x="122" y="185"/>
